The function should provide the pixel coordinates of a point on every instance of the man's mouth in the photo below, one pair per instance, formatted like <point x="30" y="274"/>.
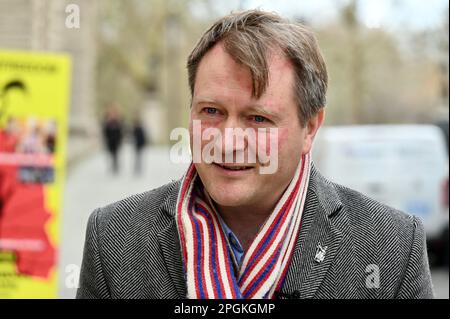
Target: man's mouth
<point x="234" y="167"/>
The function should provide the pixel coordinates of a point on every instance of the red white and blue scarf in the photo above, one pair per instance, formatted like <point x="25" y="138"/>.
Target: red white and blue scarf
<point x="207" y="258"/>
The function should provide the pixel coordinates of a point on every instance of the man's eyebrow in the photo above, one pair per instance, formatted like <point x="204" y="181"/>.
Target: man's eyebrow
<point x="263" y="111"/>
<point x="202" y="99"/>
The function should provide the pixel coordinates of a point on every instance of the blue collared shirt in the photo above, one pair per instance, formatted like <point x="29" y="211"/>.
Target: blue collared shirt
<point x="233" y="241"/>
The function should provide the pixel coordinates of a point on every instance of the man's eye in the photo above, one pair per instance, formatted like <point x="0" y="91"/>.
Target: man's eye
<point x="259" y="119"/>
<point x="210" y="110"/>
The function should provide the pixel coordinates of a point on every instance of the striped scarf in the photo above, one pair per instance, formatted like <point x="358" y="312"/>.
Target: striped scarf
<point x="207" y="259"/>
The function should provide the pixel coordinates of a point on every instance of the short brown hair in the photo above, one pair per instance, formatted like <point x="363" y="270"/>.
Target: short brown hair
<point x="248" y="36"/>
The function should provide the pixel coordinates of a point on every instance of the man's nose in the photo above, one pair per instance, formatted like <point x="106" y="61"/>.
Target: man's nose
<point x="233" y="140"/>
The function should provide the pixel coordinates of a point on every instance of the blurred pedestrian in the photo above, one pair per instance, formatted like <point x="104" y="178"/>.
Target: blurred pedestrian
<point x="112" y="133"/>
<point x="140" y="140"/>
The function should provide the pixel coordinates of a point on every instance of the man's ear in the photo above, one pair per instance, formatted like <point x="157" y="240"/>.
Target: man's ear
<point x="311" y="128"/>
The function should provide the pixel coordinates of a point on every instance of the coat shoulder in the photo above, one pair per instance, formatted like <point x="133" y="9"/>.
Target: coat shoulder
<point x="130" y="209"/>
<point x="367" y="212"/>
<point x="120" y="239"/>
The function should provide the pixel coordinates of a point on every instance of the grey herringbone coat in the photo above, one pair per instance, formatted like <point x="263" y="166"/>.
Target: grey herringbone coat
<point x="132" y="248"/>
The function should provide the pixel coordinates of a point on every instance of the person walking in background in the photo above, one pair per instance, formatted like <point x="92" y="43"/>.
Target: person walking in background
<point x="140" y="140"/>
<point x="112" y="133"/>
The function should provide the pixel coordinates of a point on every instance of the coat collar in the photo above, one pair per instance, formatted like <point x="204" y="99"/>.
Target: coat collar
<point x="305" y="273"/>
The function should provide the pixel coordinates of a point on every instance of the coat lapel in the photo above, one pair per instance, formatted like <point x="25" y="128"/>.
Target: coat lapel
<point x="171" y="250"/>
<point x="170" y="244"/>
<point x="307" y="272"/>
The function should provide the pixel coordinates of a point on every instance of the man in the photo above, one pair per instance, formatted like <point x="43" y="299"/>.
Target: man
<point x="112" y="128"/>
<point x="226" y="230"/>
<point x="140" y="141"/>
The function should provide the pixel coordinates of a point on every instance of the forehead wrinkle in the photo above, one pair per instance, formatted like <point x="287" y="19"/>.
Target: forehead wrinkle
<point x="216" y="89"/>
<point x="219" y="66"/>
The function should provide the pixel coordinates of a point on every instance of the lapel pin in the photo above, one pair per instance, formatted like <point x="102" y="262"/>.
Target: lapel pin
<point x="320" y="253"/>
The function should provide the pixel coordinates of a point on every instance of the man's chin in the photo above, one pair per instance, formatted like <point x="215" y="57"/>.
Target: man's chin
<point x="229" y="198"/>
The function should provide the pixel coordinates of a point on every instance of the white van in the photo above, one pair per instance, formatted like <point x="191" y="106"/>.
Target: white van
<point x="403" y="166"/>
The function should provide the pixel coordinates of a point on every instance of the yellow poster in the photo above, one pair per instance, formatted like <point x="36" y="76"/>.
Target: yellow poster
<point x="34" y="97"/>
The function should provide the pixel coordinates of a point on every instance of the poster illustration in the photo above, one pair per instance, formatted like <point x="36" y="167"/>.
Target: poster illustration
<point x="34" y="97"/>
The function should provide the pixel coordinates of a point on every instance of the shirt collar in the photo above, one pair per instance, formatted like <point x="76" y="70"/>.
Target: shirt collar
<point x="233" y="241"/>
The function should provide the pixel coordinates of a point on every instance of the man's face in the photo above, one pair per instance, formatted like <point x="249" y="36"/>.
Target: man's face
<point x="223" y="99"/>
